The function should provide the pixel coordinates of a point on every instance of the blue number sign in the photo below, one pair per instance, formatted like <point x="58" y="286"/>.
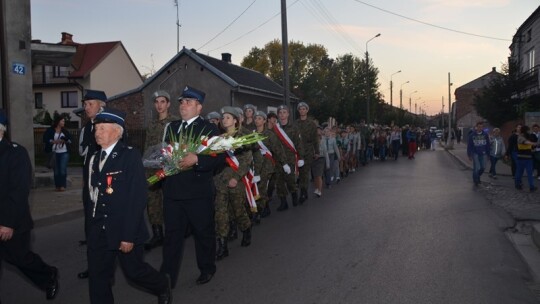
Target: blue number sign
<point x="19" y="68"/>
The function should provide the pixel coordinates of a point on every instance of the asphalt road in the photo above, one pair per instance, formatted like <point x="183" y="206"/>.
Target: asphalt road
<point x="393" y="232"/>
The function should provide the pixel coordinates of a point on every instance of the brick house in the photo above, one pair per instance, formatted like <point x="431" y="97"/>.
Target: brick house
<point x="223" y="82"/>
<point x="465" y="113"/>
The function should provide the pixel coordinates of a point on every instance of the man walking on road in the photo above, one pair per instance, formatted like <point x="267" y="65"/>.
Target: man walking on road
<point x="477" y="150"/>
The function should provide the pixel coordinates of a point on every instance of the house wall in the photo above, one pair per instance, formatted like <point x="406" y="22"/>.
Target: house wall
<point x="52" y="100"/>
<point x="115" y="74"/>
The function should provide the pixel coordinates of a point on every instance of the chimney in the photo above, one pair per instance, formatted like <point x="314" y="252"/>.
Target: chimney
<point x="67" y="38"/>
<point x="226" y="57"/>
<point x="493" y="69"/>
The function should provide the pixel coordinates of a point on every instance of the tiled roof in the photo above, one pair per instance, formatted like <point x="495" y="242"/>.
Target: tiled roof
<point x="89" y="55"/>
<point x="244" y="77"/>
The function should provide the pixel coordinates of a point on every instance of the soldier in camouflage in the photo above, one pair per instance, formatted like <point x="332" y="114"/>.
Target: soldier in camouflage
<point x="249" y="117"/>
<point x="154" y="136"/>
<point x="310" y="139"/>
<point x="270" y="153"/>
<point x="290" y="138"/>
<point x="229" y="187"/>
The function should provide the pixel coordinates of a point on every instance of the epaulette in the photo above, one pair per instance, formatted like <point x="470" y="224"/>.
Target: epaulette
<point x="14" y="145"/>
<point x="130" y="147"/>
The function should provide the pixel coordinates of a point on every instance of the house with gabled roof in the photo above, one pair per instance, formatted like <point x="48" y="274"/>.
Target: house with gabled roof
<point x="224" y="83"/>
<point x="104" y="66"/>
<point x="465" y="113"/>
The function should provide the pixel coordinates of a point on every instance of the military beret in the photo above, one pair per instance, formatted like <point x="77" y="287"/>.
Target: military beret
<point x="239" y="111"/>
<point x="230" y="110"/>
<point x="3" y="118"/>
<point x="250" y="106"/>
<point x="190" y="92"/>
<point x="161" y="93"/>
<point x="302" y="104"/>
<point x="213" y="115"/>
<point x="94" y="95"/>
<point x="109" y="115"/>
<point x="283" y="107"/>
<point x="261" y="114"/>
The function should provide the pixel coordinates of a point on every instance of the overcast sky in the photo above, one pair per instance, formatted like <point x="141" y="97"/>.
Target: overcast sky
<point x="475" y="38"/>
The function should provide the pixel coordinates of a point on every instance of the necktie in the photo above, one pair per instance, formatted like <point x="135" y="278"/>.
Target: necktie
<point x="183" y="126"/>
<point x="102" y="159"/>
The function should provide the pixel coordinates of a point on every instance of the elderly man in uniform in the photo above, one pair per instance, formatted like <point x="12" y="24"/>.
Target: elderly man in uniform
<point x="289" y="136"/>
<point x="154" y="136"/>
<point x="93" y="102"/>
<point x="116" y="227"/>
<point x="188" y="197"/>
<point x="15" y="219"/>
<point x="310" y="139"/>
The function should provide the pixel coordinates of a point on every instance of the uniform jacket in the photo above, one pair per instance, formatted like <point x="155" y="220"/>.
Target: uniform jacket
<point x="122" y="211"/>
<point x="294" y="134"/>
<point x="274" y="145"/>
<point x="154" y="131"/>
<point x="310" y="138"/>
<point x="15" y="181"/>
<point x="196" y="182"/>
<point x="225" y="172"/>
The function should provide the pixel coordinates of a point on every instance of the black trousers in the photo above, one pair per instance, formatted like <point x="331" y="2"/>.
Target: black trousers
<point x="177" y="215"/>
<point x="101" y="268"/>
<point x="17" y="252"/>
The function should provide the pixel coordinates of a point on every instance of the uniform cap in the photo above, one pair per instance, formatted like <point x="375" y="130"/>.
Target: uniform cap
<point x="109" y="115"/>
<point x="302" y="104"/>
<point x="250" y="106"/>
<point x="230" y="110"/>
<point x="261" y="114"/>
<point x="239" y="111"/>
<point x="213" y="115"/>
<point x="190" y="92"/>
<point x="161" y="93"/>
<point x="283" y="107"/>
<point x="94" y="95"/>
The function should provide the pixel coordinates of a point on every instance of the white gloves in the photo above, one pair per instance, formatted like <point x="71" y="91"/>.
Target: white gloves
<point x="256" y="178"/>
<point x="300" y="163"/>
<point x="287" y="169"/>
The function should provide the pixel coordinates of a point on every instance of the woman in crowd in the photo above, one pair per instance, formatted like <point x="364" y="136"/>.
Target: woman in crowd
<point x="320" y="164"/>
<point x="524" y="158"/>
<point x="57" y="140"/>
<point x="396" y="140"/>
<point x="333" y="155"/>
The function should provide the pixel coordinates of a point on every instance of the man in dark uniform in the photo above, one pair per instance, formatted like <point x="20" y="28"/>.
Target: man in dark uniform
<point x="188" y="196"/>
<point x="93" y="102"/>
<point x="116" y="227"/>
<point x="15" y="219"/>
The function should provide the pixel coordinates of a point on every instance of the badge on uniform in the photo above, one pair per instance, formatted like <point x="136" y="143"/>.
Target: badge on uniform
<point x="109" y="189"/>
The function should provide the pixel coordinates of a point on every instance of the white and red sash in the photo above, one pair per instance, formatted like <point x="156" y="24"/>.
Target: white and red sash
<point x="286" y="140"/>
<point x="233" y="162"/>
<point x="266" y="152"/>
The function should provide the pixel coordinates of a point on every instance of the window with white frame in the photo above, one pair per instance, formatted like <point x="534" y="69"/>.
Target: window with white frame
<point x="529" y="60"/>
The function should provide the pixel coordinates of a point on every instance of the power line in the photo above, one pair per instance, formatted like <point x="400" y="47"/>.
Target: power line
<point x="228" y="25"/>
<point x="430" y="24"/>
<point x="251" y="31"/>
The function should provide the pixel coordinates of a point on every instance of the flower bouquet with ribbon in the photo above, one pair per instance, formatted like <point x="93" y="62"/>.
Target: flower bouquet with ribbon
<point x="166" y="156"/>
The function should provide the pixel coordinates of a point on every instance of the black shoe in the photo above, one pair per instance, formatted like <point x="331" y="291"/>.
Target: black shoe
<point x="256" y="219"/>
<point x="533" y="189"/>
<point x="284" y="205"/>
<point x="233" y="231"/>
<point x="294" y="196"/>
<point x="246" y="237"/>
<point x="303" y="196"/>
<point x="222" y="249"/>
<point x="52" y="288"/>
<point x="166" y="296"/>
<point x="266" y="212"/>
<point x="83" y="274"/>
<point x="157" y="238"/>
<point x="519" y="187"/>
<point x="204" y="278"/>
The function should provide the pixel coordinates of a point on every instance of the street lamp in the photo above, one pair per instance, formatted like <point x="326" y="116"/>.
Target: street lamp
<point x="401" y="94"/>
<point x="367" y="79"/>
<point x="392" y="88"/>
<point x="415" y="105"/>
<point x="449" y="142"/>
<point x="410" y="104"/>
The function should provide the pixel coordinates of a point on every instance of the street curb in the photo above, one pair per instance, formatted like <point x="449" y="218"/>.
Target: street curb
<point x="535" y="235"/>
<point x="466" y="165"/>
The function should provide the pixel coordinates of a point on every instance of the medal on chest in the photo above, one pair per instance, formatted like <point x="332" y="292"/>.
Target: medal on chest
<point x="109" y="189"/>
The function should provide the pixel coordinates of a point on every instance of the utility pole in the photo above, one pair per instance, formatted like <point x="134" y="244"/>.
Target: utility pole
<point x="449" y="142"/>
<point x="177" y="26"/>
<point x="285" y="46"/>
<point x="368" y="87"/>
<point x="442" y="113"/>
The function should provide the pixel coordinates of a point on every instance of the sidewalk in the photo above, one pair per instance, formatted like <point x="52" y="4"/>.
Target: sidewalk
<point x="48" y="206"/>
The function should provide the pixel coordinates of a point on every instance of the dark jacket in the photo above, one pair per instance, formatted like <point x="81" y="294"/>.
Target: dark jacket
<point x="121" y="211"/>
<point x="478" y="144"/>
<point x="15" y="181"/>
<point x="198" y="181"/>
<point x="48" y="137"/>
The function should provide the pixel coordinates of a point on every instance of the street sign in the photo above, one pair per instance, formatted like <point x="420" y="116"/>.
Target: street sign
<point x="19" y="68"/>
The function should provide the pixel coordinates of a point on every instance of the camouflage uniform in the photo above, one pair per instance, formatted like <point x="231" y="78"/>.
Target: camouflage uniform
<point x="286" y="183"/>
<point x="154" y="135"/>
<point x="310" y="140"/>
<point x="235" y="197"/>
<point x="264" y="167"/>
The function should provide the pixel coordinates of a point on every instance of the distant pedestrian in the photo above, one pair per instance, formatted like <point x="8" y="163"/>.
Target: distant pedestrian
<point x="496" y="151"/>
<point x="525" y="146"/>
<point x="15" y="220"/>
<point x="57" y="141"/>
<point x="412" y="139"/>
<point x="477" y="150"/>
<point x="511" y="149"/>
